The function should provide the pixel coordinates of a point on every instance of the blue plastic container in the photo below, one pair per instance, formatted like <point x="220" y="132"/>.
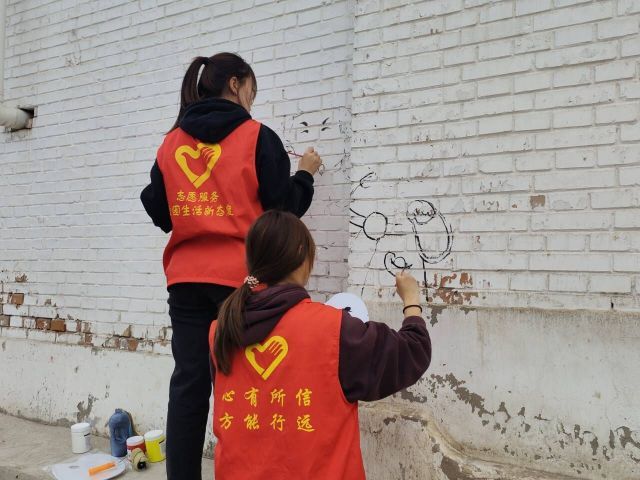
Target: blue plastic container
<point x="119" y="429"/>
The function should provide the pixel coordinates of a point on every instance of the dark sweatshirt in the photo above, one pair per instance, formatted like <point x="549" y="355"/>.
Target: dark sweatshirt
<point x="210" y="121"/>
<point x="375" y="360"/>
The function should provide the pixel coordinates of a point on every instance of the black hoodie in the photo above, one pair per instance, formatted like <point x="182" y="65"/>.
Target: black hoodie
<point x="375" y="360"/>
<point x="210" y="121"/>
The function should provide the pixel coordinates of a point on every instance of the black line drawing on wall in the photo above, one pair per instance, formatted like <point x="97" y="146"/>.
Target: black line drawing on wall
<point x="300" y="129"/>
<point x="374" y="225"/>
<point x="420" y="213"/>
<point x="364" y="181"/>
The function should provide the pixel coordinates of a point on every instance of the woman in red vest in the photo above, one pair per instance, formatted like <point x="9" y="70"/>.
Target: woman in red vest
<point x="290" y="371"/>
<point x="216" y="171"/>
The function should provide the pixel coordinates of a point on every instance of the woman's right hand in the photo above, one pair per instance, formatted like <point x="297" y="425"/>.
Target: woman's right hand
<point x="310" y="161"/>
<point x="407" y="287"/>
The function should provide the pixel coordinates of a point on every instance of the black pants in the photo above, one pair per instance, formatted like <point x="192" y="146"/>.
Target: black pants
<point x="192" y="308"/>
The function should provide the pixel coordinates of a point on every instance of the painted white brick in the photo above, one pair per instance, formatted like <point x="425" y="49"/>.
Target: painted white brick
<point x="630" y="48"/>
<point x="502" y="48"/>
<point x="618" y="198"/>
<point x="582" y="262"/>
<point x="577" y="138"/>
<point x="617" y="113"/>
<point x="570" y="242"/>
<point x="610" y="284"/>
<point x="618" y="28"/>
<point x="496" y="86"/>
<point x="496" y="124"/>
<point x="568" y="282"/>
<point x="460" y="55"/>
<point x="493" y="222"/>
<point x="575" y="159"/>
<point x="630" y="133"/>
<point x="425" y="61"/>
<point x="571" y="221"/>
<point x="576" y="117"/>
<point x="496" y="11"/>
<point x="532" y="121"/>
<point x="575" y="180"/>
<point x="526" y="7"/>
<point x="526" y="242"/>
<point x="568" y="97"/>
<point x="495" y="30"/>
<point x="626" y="262"/>
<point x="533" y="81"/>
<point x="576" y="55"/>
<point x="627" y="219"/>
<point x="610" y="242"/>
<point x="462" y="19"/>
<point x="615" y="71"/>
<point x="490" y="261"/>
<point x="497" y="164"/>
<point x="598" y="11"/>
<point x="626" y="7"/>
<point x="574" y="35"/>
<point x="528" y="281"/>
<point x="502" y="66"/>
<point x="533" y="43"/>
<point x="568" y="201"/>
<point x="618" y="155"/>
<point x="566" y="3"/>
<point x="572" y="76"/>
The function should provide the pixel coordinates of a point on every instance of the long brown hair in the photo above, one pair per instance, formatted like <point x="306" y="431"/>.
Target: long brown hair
<point x="214" y="81"/>
<point x="277" y="244"/>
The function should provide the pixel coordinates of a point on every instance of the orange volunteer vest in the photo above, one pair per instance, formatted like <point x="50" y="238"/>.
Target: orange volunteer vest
<point x="212" y="191"/>
<point x="281" y="413"/>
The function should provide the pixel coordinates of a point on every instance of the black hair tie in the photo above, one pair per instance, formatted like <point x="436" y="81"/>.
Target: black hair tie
<point x="409" y="306"/>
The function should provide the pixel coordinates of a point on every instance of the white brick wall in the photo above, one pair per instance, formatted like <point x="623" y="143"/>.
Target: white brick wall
<point x="518" y="120"/>
<point x="530" y="118"/>
<point x="105" y="77"/>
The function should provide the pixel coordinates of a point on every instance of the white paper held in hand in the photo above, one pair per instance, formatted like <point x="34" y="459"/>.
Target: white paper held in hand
<point x="351" y="303"/>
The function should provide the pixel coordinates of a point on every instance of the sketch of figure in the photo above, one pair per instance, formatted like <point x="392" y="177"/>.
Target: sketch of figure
<point x="421" y="213"/>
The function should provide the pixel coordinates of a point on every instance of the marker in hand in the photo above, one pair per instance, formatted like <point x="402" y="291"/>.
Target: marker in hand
<point x="309" y="161"/>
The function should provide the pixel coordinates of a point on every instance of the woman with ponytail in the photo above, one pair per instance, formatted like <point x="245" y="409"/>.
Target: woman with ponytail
<point x="289" y="372"/>
<point x="216" y="171"/>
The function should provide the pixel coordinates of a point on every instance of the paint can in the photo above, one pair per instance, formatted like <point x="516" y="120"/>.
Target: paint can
<point x="80" y="437"/>
<point x="156" y="445"/>
<point x="133" y="443"/>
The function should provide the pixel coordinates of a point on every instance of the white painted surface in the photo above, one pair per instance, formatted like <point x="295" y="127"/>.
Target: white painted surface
<point x="516" y="120"/>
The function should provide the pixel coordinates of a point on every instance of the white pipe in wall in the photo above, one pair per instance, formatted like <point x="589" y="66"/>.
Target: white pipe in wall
<point x="10" y="117"/>
<point x="13" y="118"/>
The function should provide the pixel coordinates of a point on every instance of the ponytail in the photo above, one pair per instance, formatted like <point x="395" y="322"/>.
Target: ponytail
<point x="189" y="91"/>
<point x="277" y="244"/>
<point x="214" y="80"/>
<point x="229" y="330"/>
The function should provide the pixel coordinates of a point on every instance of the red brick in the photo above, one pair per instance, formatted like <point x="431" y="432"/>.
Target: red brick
<point x="43" y="323"/>
<point x="16" y="298"/>
<point x="133" y="344"/>
<point x="58" y="325"/>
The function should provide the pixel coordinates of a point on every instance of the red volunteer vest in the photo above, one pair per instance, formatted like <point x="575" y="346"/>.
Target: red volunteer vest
<point x="281" y="413"/>
<point x="212" y="191"/>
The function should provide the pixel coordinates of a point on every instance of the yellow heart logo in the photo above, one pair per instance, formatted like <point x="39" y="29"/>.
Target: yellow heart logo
<point x="211" y="153"/>
<point x="272" y="352"/>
